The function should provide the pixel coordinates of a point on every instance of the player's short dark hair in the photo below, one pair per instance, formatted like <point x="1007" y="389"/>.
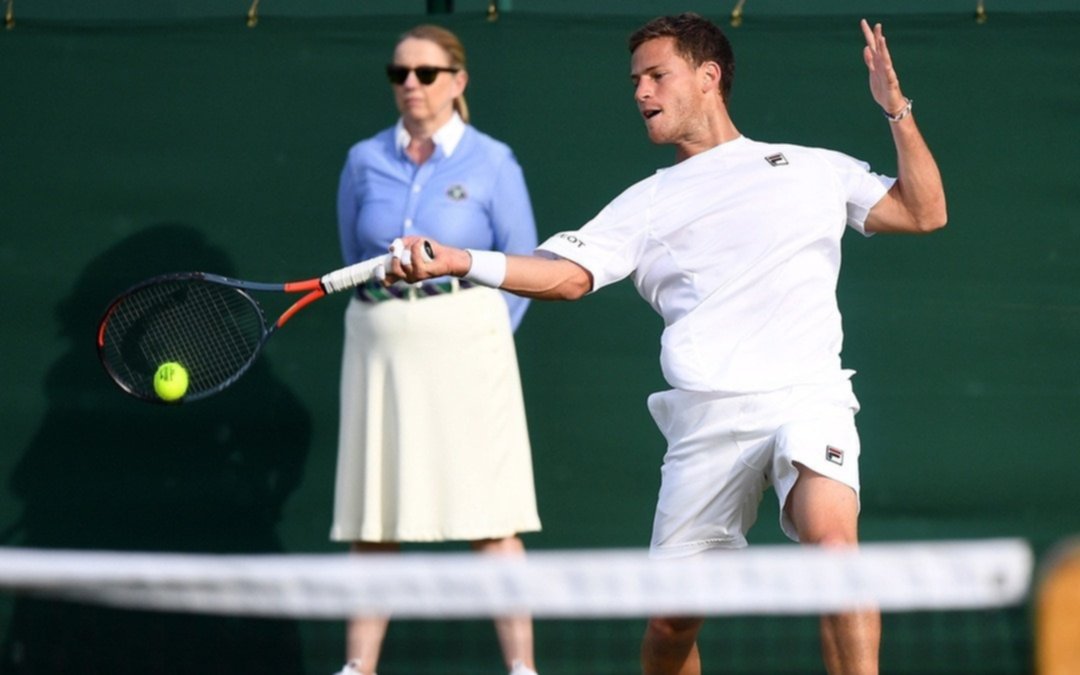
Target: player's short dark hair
<point x="697" y="39"/>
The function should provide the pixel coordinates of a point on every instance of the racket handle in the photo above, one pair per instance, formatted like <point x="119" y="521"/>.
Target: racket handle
<point x="360" y="273"/>
<point x="397" y="247"/>
<point x="354" y="275"/>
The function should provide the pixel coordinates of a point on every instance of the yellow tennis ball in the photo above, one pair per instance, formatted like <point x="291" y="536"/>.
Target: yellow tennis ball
<point x="171" y="381"/>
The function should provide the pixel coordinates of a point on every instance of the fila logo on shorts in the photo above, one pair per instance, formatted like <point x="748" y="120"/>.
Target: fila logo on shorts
<point x="834" y="455"/>
<point x="777" y="160"/>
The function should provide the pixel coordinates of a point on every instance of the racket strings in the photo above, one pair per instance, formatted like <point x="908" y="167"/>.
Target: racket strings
<point x="214" y="331"/>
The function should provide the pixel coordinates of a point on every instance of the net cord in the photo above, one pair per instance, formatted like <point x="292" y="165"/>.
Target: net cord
<point x="768" y="579"/>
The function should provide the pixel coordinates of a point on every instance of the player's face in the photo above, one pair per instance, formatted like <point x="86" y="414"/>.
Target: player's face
<point x="668" y="92"/>
<point x="432" y="104"/>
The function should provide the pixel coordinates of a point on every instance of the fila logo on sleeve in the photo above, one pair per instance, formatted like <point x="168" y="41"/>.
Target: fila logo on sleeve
<point x="777" y="160"/>
<point x="834" y="455"/>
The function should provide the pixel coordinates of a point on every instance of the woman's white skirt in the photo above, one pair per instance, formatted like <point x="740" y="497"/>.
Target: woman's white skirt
<point x="433" y="442"/>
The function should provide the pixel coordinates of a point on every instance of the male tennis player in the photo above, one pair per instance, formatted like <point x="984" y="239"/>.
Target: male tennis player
<point x="737" y="246"/>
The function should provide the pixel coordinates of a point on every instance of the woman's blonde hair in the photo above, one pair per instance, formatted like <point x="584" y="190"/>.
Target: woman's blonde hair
<point x="453" y="48"/>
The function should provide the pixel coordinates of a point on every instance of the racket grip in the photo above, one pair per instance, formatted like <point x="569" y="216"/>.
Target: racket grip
<point x="359" y="273"/>
<point x="354" y="275"/>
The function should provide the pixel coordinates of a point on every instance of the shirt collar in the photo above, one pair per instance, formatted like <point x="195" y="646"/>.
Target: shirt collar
<point x="447" y="137"/>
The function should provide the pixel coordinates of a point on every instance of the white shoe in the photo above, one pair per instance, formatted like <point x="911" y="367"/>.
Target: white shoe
<point x="519" y="668"/>
<point x="350" y="668"/>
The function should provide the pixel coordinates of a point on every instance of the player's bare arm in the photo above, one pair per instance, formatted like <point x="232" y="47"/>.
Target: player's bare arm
<point x="916" y="202"/>
<point x="530" y="276"/>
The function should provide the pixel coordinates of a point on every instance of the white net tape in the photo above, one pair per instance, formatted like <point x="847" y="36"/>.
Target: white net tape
<point x="781" y="579"/>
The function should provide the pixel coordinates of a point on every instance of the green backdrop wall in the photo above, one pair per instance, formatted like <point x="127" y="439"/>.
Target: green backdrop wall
<point x="133" y="149"/>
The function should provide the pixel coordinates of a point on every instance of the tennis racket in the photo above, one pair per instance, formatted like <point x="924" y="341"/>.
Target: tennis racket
<point x="209" y="324"/>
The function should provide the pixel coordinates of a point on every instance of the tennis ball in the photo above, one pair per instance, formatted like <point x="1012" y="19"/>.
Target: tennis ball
<point x="171" y="381"/>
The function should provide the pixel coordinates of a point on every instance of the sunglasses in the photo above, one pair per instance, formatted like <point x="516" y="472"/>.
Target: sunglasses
<point x="426" y="74"/>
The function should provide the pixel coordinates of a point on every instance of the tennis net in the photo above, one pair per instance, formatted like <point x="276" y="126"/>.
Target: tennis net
<point x="947" y="606"/>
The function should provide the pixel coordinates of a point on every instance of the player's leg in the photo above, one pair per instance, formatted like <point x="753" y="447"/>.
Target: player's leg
<point x="711" y="484"/>
<point x="670" y="646"/>
<point x="825" y="513"/>
<point x="515" y="633"/>
<point x="364" y="634"/>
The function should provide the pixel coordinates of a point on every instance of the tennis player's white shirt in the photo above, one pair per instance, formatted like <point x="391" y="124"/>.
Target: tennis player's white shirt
<point x="738" y="249"/>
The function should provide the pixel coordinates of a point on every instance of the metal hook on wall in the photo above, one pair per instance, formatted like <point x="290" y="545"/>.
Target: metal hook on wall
<point x="980" y="12"/>
<point x="9" y="15"/>
<point x="253" y="14"/>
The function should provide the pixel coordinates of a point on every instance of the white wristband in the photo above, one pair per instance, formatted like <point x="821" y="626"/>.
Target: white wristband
<point x="488" y="268"/>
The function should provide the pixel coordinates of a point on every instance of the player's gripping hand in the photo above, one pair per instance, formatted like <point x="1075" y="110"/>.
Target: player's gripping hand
<point x="425" y="259"/>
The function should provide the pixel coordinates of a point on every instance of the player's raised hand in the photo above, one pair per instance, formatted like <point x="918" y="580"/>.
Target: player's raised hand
<point x="884" y="84"/>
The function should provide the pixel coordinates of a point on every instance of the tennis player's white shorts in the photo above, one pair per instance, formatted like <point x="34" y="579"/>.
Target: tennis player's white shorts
<point x="725" y="451"/>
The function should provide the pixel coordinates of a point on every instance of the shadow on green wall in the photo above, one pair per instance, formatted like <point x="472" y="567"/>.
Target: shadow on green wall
<point x="104" y="471"/>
